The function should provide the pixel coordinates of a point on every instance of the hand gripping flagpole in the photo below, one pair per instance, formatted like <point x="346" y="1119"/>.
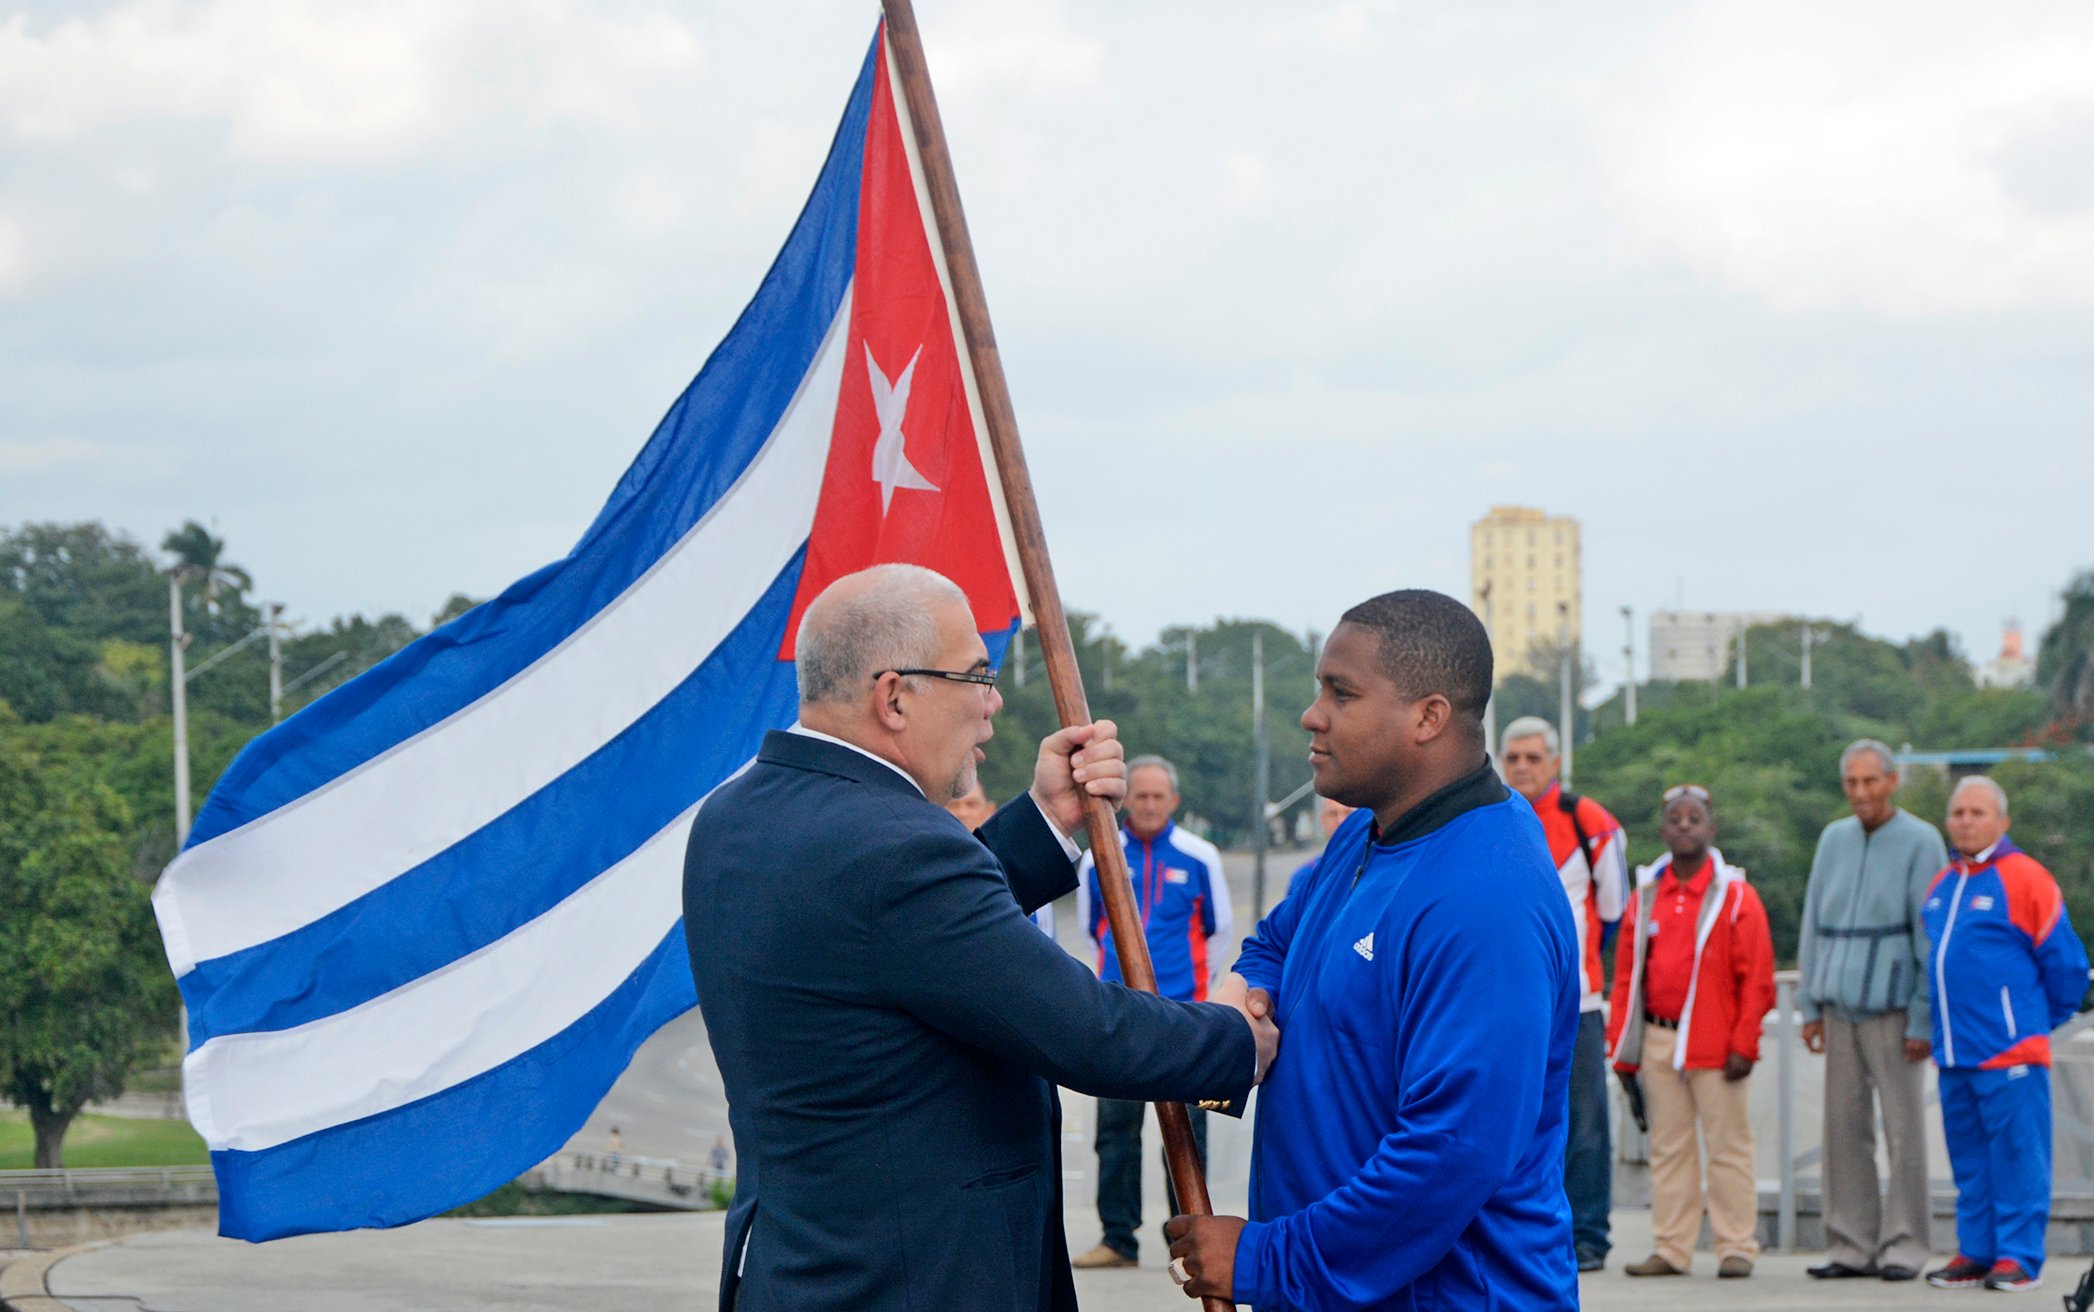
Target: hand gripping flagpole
<point x="1050" y="623"/>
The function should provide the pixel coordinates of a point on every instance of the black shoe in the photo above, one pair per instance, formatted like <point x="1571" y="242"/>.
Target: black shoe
<point x="1841" y="1271"/>
<point x="1588" y="1260"/>
<point x="1895" y="1272"/>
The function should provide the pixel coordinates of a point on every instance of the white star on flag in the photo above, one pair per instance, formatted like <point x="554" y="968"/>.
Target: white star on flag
<point x="891" y="467"/>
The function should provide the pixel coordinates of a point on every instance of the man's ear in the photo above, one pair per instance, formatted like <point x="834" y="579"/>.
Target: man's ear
<point x="1431" y="715"/>
<point x="886" y="703"/>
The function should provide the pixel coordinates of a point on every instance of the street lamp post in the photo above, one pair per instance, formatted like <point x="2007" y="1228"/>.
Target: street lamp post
<point x="1568" y="707"/>
<point x="178" y="643"/>
<point x="276" y="663"/>
<point x="1261" y="836"/>
<point x="1490" y="703"/>
<point x="1628" y="657"/>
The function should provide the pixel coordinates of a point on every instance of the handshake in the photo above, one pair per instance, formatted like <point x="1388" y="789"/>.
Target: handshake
<point x="1256" y="1007"/>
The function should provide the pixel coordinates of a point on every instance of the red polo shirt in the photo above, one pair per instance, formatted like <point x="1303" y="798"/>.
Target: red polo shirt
<point x="1669" y="964"/>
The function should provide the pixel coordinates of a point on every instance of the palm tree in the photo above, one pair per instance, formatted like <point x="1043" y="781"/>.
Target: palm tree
<point x="200" y="559"/>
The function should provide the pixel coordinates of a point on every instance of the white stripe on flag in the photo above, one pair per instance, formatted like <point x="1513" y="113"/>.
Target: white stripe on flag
<point x="251" y="1091"/>
<point x="360" y="831"/>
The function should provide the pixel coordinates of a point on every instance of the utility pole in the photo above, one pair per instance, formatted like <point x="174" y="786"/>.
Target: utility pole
<point x="1261" y="836"/>
<point x="1490" y="703"/>
<point x="1017" y="656"/>
<point x="1192" y="660"/>
<point x="1808" y="635"/>
<point x="276" y="663"/>
<point x="178" y="682"/>
<point x="1741" y="655"/>
<point x="1628" y="657"/>
<point x="1568" y="725"/>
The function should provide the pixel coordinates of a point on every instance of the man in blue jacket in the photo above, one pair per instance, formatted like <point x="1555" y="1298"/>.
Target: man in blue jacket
<point x="888" y="1025"/>
<point x="1410" y="1136"/>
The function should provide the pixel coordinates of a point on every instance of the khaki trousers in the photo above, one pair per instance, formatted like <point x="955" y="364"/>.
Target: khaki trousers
<point x="1865" y="1066"/>
<point x="1677" y="1101"/>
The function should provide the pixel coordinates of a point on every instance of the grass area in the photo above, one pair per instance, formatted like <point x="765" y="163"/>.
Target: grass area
<point x="105" y="1141"/>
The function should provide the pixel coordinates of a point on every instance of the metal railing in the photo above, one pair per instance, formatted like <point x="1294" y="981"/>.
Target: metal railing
<point x="2068" y="1125"/>
<point x="83" y="1179"/>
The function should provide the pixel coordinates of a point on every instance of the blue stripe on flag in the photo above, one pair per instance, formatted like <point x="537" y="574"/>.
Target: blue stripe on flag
<point x="544" y="849"/>
<point x="414" y="1161"/>
<point x="701" y="447"/>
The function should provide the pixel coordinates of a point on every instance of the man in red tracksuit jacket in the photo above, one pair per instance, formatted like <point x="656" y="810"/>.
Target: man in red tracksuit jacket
<point x="1692" y="984"/>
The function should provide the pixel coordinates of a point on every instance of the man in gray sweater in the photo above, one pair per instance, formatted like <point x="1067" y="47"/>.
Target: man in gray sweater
<point x="1864" y="996"/>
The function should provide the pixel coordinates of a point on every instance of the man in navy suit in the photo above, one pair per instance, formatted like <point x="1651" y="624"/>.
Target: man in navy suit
<point x="889" y="1025"/>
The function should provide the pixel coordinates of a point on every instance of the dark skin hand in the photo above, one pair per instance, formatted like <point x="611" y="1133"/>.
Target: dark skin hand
<point x="1207" y="1245"/>
<point x="1736" y="1066"/>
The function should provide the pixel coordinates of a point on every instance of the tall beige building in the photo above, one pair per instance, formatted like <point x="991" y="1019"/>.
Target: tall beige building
<point x="1524" y="580"/>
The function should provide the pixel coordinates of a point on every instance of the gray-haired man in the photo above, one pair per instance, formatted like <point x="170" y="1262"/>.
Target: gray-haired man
<point x="1864" y="997"/>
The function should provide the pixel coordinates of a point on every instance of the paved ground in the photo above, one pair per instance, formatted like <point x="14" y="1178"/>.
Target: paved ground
<point x="645" y="1263"/>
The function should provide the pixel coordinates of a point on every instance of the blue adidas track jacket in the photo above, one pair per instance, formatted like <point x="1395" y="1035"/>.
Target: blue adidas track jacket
<point x="1410" y="1134"/>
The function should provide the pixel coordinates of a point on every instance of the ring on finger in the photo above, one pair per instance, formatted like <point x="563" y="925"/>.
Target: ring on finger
<point x="1179" y="1275"/>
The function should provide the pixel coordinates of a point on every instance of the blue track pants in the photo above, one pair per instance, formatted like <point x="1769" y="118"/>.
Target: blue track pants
<point x="1998" y="1129"/>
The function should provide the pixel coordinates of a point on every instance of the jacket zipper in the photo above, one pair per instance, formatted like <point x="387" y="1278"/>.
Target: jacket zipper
<point x="1941" y="981"/>
<point x="2007" y="1007"/>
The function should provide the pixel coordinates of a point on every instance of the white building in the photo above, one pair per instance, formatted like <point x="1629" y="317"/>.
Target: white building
<point x="1697" y="644"/>
<point x="2010" y="669"/>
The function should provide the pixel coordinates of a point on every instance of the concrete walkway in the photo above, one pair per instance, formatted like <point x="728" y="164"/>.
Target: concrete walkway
<point x="644" y="1263"/>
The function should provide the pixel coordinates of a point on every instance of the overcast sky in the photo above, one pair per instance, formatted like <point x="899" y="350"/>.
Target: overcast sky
<point x="1791" y="303"/>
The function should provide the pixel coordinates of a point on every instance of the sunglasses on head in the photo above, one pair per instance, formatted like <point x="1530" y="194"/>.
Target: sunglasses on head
<point x="1677" y="791"/>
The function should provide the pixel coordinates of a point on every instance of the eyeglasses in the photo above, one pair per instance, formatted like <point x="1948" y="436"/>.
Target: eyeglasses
<point x="986" y="678"/>
<point x="1677" y="791"/>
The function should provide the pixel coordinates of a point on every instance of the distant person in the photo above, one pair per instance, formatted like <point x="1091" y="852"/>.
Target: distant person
<point x="1183" y="898"/>
<point x="1862" y="963"/>
<point x="973" y="809"/>
<point x="719" y="1155"/>
<point x="1692" y="987"/>
<point x="614" y="1144"/>
<point x="1330" y="813"/>
<point x="2007" y="970"/>
<point x="1409" y="1145"/>
<point x="1590" y="854"/>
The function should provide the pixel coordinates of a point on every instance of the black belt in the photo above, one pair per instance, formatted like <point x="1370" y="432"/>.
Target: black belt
<point x="1661" y="1022"/>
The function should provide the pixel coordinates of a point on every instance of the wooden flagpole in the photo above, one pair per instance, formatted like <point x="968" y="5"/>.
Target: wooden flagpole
<point x="1049" y="621"/>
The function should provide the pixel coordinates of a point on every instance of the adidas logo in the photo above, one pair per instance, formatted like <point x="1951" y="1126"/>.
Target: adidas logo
<point x="1365" y="947"/>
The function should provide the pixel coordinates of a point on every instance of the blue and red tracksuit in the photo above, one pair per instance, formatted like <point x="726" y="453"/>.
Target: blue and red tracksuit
<point x="2007" y="969"/>
<point x="1183" y="899"/>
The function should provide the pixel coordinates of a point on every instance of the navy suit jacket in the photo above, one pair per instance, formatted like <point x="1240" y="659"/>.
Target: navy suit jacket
<point x="891" y="1029"/>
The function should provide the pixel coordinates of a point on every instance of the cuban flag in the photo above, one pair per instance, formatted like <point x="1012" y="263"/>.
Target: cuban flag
<point x="422" y="926"/>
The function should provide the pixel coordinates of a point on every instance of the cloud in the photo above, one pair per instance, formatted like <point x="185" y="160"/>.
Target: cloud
<point x="306" y="80"/>
<point x="1904" y="158"/>
<point x="31" y="455"/>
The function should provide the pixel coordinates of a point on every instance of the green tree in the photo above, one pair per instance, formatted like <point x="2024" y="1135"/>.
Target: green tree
<point x="2065" y="661"/>
<point x="85" y="993"/>
<point x="83" y="579"/>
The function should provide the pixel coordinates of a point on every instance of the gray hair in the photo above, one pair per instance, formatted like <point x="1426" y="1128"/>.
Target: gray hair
<point x="1170" y="771"/>
<point x="1999" y="794"/>
<point x="877" y="619"/>
<point x="1529" y="726"/>
<point x="1860" y="745"/>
